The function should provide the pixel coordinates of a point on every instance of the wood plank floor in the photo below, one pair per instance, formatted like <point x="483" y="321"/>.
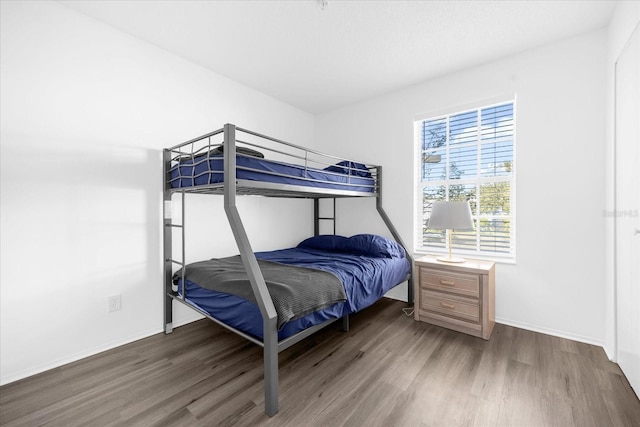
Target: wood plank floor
<point x="388" y="370"/>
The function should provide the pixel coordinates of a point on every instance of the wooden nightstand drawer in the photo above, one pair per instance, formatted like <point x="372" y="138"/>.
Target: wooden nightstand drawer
<point x="459" y="283"/>
<point x="449" y="305"/>
<point x="458" y="296"/>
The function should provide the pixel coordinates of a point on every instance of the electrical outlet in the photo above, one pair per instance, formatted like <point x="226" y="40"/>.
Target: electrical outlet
<point x="115" y="303"/>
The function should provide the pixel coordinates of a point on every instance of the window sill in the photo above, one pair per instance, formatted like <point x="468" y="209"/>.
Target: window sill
<point x="497" y="259"/>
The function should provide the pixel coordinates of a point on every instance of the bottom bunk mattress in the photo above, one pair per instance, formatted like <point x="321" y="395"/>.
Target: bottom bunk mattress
<point x="364" y="272"/>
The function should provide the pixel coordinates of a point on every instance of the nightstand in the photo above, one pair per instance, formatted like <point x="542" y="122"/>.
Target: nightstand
<point x="458" y="296"/>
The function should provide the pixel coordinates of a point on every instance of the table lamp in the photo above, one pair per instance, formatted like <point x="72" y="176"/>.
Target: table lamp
<point x="450" y="216"/>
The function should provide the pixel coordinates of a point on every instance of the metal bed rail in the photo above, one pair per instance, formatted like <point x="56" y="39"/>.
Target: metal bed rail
<point x="191" y="161"/>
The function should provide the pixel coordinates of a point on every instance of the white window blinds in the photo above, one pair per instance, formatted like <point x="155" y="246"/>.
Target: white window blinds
<point x="468" y="155"/>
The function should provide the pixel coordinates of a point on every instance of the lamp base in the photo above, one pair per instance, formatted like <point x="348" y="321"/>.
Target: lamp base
<point x="450" y="259"/>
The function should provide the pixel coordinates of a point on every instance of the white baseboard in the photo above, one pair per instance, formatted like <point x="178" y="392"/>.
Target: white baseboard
<point x="187" y="321"/>
<point x="533" y="328"/>
<point x="88" y="353"/>
<point x="16" y="376"/>
<point x="611" y="356"/>
<point x="395" y="298"/>
<point x="108" y="346"/>
<point x="548" y="331"/>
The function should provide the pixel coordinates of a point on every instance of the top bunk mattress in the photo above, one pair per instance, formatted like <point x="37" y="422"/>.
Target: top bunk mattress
<point x="208" y="169"/>
<point x="279" y="168"/>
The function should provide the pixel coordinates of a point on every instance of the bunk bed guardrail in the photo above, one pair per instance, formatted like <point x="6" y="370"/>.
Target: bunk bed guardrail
<point x="198" y="166"/>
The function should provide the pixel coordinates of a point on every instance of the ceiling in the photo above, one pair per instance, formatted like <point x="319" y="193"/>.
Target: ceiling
<point x="319" y="59"/>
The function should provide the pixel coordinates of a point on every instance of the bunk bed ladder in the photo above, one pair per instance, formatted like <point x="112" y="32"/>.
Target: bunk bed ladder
<point x="317" y="218"/>
<point x="168" y="226"/>
<point x="316" y="232"/>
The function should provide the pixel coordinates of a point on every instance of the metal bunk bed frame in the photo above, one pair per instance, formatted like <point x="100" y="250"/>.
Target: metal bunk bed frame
<point x="230" y="188"/>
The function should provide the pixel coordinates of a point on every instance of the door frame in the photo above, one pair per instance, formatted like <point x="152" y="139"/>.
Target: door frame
<point x="615" y="194"/>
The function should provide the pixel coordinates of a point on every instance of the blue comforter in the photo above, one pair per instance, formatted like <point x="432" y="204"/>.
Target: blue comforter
<point x="365" y="279"/>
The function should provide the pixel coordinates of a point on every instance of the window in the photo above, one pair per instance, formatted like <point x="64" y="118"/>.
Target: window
<point x="468" y="155"/>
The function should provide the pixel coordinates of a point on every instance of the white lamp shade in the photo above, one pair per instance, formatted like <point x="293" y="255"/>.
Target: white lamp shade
<point x="451" y="216"/>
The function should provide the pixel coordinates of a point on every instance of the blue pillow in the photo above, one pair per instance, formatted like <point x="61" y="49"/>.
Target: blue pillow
<point x="239" y="150"/>
<point x="357" y="169"/>
<point x="325" y="242"/>
<point x="374" y="245"/>
<point x="361" y="244"/>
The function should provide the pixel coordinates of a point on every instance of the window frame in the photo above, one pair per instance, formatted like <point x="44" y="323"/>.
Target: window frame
<point x="419" y="185"/>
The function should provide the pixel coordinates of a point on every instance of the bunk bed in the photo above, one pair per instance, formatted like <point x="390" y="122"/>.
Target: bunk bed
<point x="231" y="161"/>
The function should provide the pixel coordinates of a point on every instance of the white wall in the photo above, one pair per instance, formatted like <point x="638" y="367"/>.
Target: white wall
<point x="86" y="111"/>
<point x="623" y="22"/>
<point x="557" y="284"/>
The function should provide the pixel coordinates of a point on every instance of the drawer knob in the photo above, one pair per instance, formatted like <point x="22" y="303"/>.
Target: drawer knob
<point x="447" y="283"/>
<point x="447" y="305"/>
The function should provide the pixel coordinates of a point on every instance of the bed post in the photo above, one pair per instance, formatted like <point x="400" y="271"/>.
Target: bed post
<point x="258" y="285"/>
<point x="316" y="217"/>
<point x="166" y="231"/>
<point x="394" y="232"/>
